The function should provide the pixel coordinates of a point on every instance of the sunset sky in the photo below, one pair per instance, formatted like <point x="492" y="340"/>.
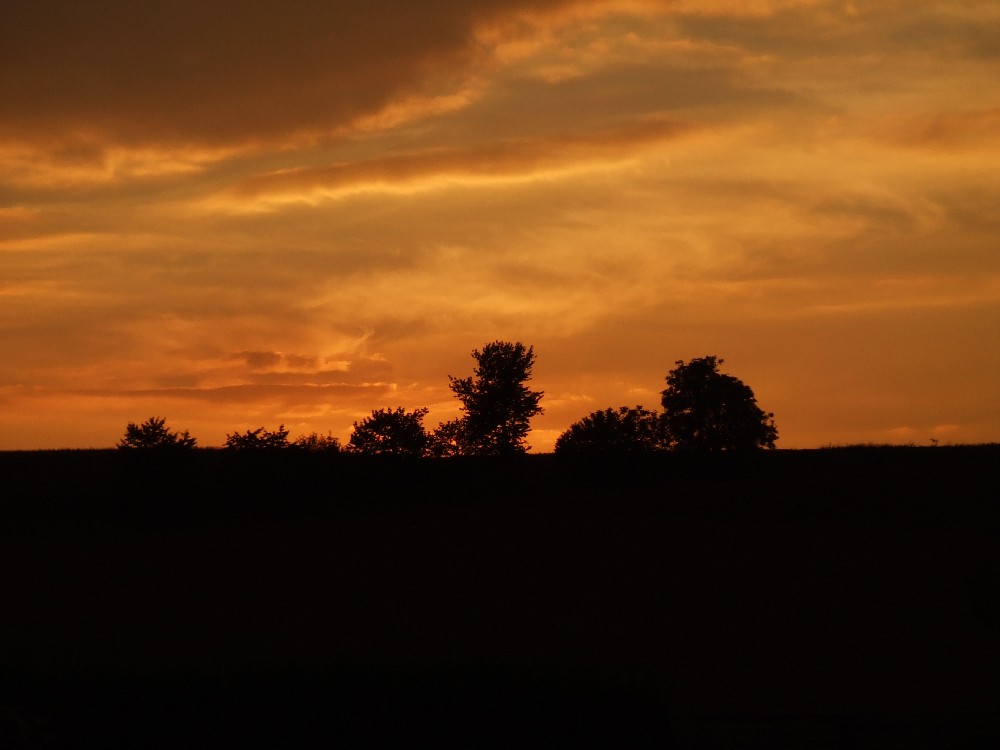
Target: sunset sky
<point x="235" y="214"/>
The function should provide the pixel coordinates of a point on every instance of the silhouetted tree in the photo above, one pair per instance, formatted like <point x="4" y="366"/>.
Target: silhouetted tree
<point x="317" y="443"/>
<point x="706" y="410"/>
<point x="498" y="405"/>
<point x="448" y="439"/>
<point x="259" y="439"/>
<point x="154" y="434"/>
<point x="390" y="432"/>
<point x="615" y="431"/>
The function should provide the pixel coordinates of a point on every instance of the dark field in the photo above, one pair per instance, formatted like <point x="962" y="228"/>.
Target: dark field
<point x="836" y="598"/>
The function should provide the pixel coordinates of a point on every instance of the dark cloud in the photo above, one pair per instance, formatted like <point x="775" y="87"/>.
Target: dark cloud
<point x="394" y="328"/>
<point x="301" y="361"/>
<point x="876" y="211"/>
<point x="260" y="360"/>
<point x="974" y="206"/>
<point x="220" y="70"/>
<point x="319" y="377"/>
<point x="616" y="93"/>
<point x="271" y="368"/>
<point x="286" y="394"/>
<point x="964" y="130"/>
<point x="42" y="333"/>
<point x="838" y="29"/>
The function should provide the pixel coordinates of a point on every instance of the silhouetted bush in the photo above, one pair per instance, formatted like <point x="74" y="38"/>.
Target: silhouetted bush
<point x="259" y="439"/>
<point x="153" y="434"/>
<point x="615" y="432"/>
<point x="390" y="432"/>
<point x="448" y="439"/>
<point x="317" y="443"/>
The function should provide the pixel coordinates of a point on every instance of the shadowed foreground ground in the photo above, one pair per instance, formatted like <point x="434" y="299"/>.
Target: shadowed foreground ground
<point x="798" y="599"/>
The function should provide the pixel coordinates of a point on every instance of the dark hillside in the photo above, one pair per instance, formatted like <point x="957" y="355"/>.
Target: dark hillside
<point x="834" y="598"/>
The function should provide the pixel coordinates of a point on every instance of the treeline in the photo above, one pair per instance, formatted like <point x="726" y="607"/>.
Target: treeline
<point x="703" y="410"/>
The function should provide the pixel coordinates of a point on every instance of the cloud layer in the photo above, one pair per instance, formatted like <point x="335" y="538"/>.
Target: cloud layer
<point x="238" y="215"/>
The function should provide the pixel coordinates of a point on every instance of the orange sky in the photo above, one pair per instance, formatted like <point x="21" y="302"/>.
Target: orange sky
<point x="243" y="214"/>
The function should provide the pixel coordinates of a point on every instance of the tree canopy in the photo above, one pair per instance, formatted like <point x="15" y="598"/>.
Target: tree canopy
<point x="154" y="434"/>
<point x="497" y="404"/>
<point x="615" y="431"/>
<point x="707" y="410"/>
<point x="390" y="432"/>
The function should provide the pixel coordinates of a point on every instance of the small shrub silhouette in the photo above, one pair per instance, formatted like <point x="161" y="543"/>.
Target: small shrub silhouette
<point x="314" y="442"/>
<point x="259" y="439"/>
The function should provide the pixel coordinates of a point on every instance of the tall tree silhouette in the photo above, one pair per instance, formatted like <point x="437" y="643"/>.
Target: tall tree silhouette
<point x="707" y="410"/>
<point x="154" y="434"/>
<point x="497" y="403"/>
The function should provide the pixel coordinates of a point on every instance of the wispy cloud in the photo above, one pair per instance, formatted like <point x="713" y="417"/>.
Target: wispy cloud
<point x="500" y="161"/>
